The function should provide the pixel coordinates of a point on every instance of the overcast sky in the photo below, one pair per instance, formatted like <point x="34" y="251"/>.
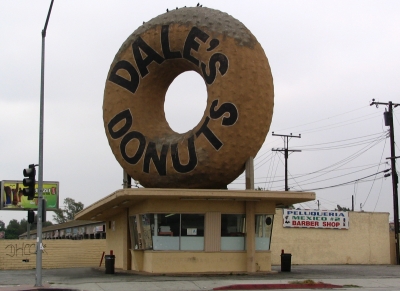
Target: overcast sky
<point x="329" y="59"/>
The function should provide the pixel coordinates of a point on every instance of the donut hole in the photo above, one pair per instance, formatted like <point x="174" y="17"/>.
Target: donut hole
<point x="185" y="101"/>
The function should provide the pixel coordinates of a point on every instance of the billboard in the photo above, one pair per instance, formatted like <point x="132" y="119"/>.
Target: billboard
<point x="329" y="219"/>
<point x="12" y="198"/>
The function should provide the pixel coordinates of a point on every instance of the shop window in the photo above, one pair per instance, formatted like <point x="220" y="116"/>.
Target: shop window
<point x="192" y="232"/>
<point x="233" y="229"/>
<point x="166" y="231"/>
<point x="140" y="230"/>
<point x="263" y="224"/>
<point x="171" y="231"/>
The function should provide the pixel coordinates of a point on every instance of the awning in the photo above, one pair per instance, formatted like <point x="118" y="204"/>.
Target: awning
<point x="124" y="198"/>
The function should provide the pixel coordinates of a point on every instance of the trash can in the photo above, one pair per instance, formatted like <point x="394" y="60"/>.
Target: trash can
<point x="286" y="262"/>
<point x="110" y="263"/>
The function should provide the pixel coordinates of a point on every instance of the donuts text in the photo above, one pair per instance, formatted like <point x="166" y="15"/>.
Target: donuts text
<point x="139" y="46"/>
<point x="150" y="152"/>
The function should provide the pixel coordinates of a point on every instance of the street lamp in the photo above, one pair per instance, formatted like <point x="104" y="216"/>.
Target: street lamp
<point x="39" y="245"/>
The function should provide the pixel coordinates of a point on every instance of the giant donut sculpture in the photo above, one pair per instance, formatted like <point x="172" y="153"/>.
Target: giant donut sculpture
<point x="239" y="103"/>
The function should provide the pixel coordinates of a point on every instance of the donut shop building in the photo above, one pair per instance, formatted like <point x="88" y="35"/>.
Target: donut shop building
<point x="177" y="223"/>
<point x="190" y="231"/>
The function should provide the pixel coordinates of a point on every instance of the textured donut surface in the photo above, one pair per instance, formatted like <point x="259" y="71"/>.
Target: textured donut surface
<point x="239" y="100"/>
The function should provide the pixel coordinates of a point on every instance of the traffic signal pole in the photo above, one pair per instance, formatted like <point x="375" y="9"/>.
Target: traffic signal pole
<point x="39" y="245"/>
<point x="395" y="180"/>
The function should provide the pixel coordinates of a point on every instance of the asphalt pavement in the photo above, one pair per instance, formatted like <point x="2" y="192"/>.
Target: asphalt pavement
<point x="351" y="277"/>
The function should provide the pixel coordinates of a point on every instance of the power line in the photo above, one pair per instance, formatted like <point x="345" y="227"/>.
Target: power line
<point x="339" y="124"/>
<point x="379" y="195"/>
<point x="276" y="169"/>
<point x="348" y="145"/>
<point x="347" y="174"/>
<point x="318" y="121"/>
<point x="346" y="183"/>
<point x="379" y="133"/>
<point x="370" y="189"/>
<point x="343" y="162"/>
<point x="365" y="167"/>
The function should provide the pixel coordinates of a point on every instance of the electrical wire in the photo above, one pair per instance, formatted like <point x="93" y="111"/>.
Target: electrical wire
<point x="258" y="165"/>
<point x="341" y="146"/>
<point x="379" y="195"/>
<point x="318" y="121"/>
<point x="346" y="183"/>
<point x="339" y="124"/>
<point x="304" y="146"/>
<point x="269" y="170"/>
<point x="365" y="167"/>
<point x="368" y="166"/>
<point x="342" y="162"/>
<point x="276" y="168"/>
<point x="375" y="176"/>
<point x="266" y="157"/>
<point x="347" y="174"/>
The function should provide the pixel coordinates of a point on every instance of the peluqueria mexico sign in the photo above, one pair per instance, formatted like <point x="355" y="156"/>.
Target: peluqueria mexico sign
<point x="315" y="219"/>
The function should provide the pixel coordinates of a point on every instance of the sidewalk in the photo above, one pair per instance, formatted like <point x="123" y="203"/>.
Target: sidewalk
<point x="367" y="277"/>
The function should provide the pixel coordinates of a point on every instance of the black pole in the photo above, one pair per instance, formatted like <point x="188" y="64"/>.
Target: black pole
<point x="394" y="183"/>
<point x="286" y="152"/>
<point x="286" y="169"/>
<point x="39" y="245"/>
<point x="394" y="173"/>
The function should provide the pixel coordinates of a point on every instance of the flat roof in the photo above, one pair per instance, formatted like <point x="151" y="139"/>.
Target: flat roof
<point x="65" y="225"/>
<point x="124" y="198"/>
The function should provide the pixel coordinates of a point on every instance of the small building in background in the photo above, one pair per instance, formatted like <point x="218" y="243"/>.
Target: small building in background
<point x="74" y="229"/>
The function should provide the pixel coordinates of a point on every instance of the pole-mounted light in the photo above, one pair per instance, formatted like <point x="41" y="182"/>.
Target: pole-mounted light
<point x="39" y="245"/>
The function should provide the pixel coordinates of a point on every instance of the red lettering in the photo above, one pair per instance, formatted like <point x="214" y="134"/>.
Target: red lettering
<point x="311" y="223"/>
<point x="330" y="224"/>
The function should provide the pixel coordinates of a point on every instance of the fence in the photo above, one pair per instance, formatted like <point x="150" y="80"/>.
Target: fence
<point x="21" y="254"/>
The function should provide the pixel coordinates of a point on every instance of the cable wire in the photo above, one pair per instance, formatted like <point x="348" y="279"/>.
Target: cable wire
<point x="346" y="183"/>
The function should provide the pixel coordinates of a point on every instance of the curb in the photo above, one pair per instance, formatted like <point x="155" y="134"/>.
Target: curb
<point x="277" y="286"/>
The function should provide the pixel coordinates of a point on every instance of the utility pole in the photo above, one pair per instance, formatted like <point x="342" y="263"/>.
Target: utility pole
<point x="39" y="245"/>
<point x="286" y="153"/>
<point x="388" y="117"/>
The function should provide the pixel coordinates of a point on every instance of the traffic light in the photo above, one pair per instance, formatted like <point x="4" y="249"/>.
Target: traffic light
<point x="31" y="216"/>
<point x="29" y="182"/>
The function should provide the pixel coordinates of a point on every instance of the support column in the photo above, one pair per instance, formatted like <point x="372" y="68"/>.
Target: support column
<point x="250" y="174"/>
<point x="250" y="236"/>
<point x="127" y="256"/>
<point x="212" y="232"/>
<point x="127" y="259"/>
<point x="127" y="180"/>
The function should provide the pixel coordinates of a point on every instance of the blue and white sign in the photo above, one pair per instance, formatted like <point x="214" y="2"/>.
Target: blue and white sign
<point x="330" y="219"/>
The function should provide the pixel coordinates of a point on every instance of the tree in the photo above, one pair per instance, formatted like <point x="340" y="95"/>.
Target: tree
<point x="279" y="205"/>
<point x="24" y="224"/>
<point x="341" y="208"/>
<point x="2" y="229"/>
<point x="68" y="212"/>
<point x="13" y="229"/>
